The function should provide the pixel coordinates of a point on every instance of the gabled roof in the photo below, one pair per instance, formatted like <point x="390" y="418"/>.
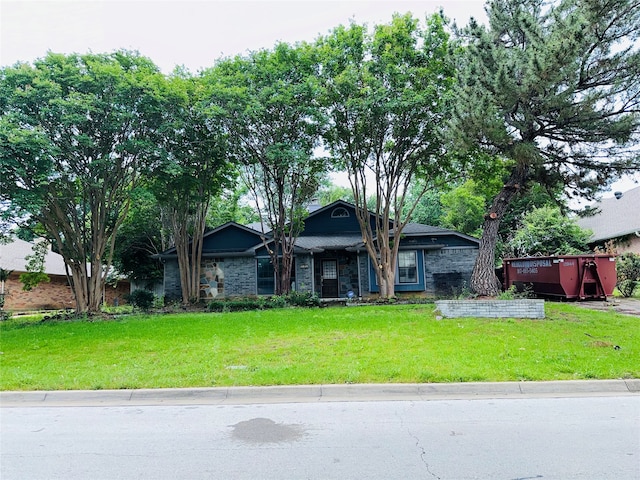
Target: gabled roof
<point x="616" y="217"/>
<point x="227" y="249"/>
<point x="324" y="235"/>
<point x="418" y="229"/>
<point x="248" y="228"/>
<point x="13" y="257"/>
<point x="331" y="206"/>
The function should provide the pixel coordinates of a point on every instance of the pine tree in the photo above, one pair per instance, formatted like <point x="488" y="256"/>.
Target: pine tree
<point x="555" y="88"/>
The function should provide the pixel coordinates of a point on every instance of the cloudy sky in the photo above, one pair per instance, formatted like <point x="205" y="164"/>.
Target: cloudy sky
<point x="196" y="33"/>
<point x="190" y="33"/>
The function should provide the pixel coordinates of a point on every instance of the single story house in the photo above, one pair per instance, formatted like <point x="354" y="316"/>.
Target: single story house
<point x="616" y="221"/>
<point x="329" y="260"/>
<point x="56" y="294"/>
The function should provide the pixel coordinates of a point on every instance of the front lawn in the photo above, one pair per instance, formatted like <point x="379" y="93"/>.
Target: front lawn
<point x="368" y="344"/>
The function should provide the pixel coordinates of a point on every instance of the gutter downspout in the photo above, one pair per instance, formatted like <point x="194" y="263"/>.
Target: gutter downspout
<point x="359" y="279"/>
<point x="313" y="274"/>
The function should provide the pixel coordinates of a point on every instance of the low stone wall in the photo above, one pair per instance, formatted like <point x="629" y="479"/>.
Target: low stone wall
<point x="525" y="308"/>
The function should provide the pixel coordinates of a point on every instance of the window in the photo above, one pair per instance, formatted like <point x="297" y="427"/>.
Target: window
<point x="339" y="212"/>
<point x="407" y="267"/>
<point x="265" y="277"/>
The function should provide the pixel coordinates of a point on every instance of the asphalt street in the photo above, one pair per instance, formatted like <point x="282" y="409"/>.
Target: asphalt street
<point x="512" y="431"/>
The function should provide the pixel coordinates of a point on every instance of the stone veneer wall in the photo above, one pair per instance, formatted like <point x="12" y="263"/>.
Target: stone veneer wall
<point x="304" y="273"/>
<point x="525" y="308"/>
<point x="239" y="278"/>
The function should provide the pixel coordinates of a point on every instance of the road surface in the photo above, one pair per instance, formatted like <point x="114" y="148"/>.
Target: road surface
<point x="510" y="438"/>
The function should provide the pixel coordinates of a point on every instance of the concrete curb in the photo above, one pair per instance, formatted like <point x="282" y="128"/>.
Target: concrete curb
<point x="319" y="393"/>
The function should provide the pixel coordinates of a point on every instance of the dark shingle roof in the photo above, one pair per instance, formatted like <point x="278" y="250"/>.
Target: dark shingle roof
<point x="328" y="242"/>
<point x="416" y="229"/>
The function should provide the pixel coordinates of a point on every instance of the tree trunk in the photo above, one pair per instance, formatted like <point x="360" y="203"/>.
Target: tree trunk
<point x="483" y="278"/>
<point x="79" y="286"/>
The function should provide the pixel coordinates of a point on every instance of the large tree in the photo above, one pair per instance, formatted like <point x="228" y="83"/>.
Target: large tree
<point x="384" y="93"/>
<point x="554" y="88"/>
<point x="74" y="135"/>
<point x="194" y="169"/>
<point x="140" y="237"/>
<point x="272" y="114"/>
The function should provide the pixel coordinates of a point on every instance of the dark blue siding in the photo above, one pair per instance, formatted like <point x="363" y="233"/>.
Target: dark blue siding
<point x="230" y="239"/>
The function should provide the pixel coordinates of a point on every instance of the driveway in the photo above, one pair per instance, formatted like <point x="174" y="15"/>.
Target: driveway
<point x="628" y="306"/>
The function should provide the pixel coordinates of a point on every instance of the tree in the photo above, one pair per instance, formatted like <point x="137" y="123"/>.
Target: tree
<point x="628" y="266"/>
<point x="554" y="88"/>
<point x="35" y="273"/>
<point x="271" y="108"/>
<point x="384" y="94"/>
<point x="464" y="208"/>
<point x="75" y="134"/>
<point x="231" y="206"/>
<point x="546" y="231"/>
<point x="139" y="238"/>
<point x="4" y="276"/>
<point x="428" y="210"/>
<point x="330" y="192"/>
<point x="195" y="167"/>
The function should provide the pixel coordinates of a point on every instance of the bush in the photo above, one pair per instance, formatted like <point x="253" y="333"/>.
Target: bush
<point x="236" y="305"/>
<point x="628" y="267"/>
<point x="142" y="299"/>
<point x="303" y="299"/>
<point x="293" y="299"/>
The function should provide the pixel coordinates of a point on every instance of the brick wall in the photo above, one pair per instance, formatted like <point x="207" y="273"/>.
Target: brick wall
<point x="53" y="295"/>
<point x="240" y="276"/>
<point x="524" y="308"/>
<point x="448" y="270"/>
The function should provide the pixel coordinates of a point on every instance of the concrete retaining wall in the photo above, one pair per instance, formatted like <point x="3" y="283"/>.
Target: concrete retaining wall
<point x="524" y="308"/>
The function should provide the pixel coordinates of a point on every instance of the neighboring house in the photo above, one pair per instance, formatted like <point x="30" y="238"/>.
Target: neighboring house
<point x="52" y="295"/>
<point x="330" y="260"/>
<point x="617" y="220"/>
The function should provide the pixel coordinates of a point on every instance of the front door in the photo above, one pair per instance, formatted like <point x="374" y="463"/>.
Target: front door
<point x="329" y="279"/>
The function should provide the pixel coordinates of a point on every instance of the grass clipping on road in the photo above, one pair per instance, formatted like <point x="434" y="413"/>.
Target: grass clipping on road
<point x="368" y="344"/>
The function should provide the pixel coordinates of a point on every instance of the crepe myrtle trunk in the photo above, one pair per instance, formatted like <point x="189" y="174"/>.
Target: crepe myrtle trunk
<point x="484" y="281"/>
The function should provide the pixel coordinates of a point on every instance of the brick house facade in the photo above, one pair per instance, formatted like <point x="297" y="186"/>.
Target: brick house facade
<point x="55" y="294"/>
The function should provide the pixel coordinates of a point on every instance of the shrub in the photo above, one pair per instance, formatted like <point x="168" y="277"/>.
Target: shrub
<point x="278" y="301"/>
<point x="293" y="299"/>
<point x="628" y="267"/>
<point x="237" y="305"/>
<point x="302" y="299"/>
<point x="142" y="299"/>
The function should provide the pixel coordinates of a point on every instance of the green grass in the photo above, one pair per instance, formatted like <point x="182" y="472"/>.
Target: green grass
<point x="400" y="343"/>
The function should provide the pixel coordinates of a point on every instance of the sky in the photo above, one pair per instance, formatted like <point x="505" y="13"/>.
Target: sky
<point x="191" y="33"/>
<point x="194" y="34"/>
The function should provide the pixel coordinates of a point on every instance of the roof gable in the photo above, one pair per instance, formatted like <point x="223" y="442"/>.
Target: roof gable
<point x="230" y="237"/>
<point x="338" y="217"/>
<point x="413" y="231"/>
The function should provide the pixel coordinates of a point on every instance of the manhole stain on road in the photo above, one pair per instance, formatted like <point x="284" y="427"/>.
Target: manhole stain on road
<point x="265" y="430"/>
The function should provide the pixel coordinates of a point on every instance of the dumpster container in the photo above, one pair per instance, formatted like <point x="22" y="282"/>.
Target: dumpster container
<point x="573" y="277"/>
